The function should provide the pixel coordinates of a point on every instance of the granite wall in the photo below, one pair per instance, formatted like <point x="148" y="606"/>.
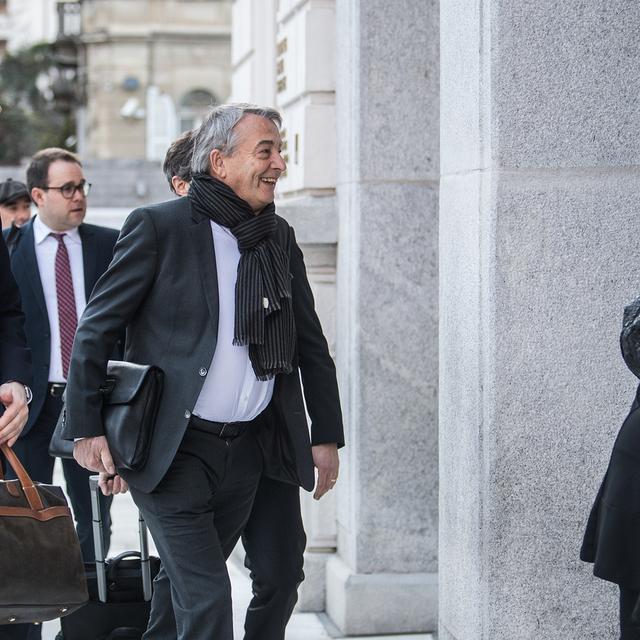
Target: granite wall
<point x="385" y="574"/>
<point x="539" y="199"/>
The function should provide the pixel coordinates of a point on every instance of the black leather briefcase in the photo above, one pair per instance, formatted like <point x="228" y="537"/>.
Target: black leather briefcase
<point x="132" y="394"/>
<point x="120" y="589"/>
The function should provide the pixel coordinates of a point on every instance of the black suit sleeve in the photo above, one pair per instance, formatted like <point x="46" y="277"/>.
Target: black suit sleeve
<point x="114" y="300"/>
<point x="15" y="357"/>
<point x="317" y="368"/>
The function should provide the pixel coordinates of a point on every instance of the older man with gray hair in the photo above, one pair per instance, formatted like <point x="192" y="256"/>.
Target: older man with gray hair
<point x="212" y="288"/>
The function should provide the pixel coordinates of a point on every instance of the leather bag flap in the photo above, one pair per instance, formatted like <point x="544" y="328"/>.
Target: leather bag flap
<point x="130" y="379"/>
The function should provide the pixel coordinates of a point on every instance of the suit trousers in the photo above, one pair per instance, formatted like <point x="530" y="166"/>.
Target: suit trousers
<point x="196" y="515"/>
<point x="33" y="452"/>
<point x="274" y="541"/>
<point x="628" y="599"/>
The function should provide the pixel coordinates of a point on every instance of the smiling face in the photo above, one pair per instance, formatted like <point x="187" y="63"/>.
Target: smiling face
<point x="255" y="165"/>
<point x="56" y="211"/>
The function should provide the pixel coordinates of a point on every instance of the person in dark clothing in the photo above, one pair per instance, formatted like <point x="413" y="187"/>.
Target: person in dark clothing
<point x="56" y="261"/>
<point x="15" y="394"/>
<point x="212" y="288"/>
<point x="274" y="537"/>
<point x="15" y="357"/>
<point x="15" y="209"/>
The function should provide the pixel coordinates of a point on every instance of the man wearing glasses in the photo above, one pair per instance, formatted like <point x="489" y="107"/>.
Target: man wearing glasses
<point x="56" y="261"/>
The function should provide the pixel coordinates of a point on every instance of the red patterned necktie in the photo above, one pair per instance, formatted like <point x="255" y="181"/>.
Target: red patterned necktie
<point x="67" y="317"/>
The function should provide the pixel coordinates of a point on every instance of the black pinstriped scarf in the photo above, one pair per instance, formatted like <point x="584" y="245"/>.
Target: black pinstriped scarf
<point x="264" y="316"/>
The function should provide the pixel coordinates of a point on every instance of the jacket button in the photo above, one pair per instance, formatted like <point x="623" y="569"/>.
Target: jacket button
<point x="187" y="414"/>
<point x="203" y="371"/>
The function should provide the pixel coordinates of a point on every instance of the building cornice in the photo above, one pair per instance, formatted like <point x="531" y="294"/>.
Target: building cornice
<point x="143" y="35"/>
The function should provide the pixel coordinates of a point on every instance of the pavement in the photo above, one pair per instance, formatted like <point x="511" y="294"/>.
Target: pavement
<point x="302" y="626"/>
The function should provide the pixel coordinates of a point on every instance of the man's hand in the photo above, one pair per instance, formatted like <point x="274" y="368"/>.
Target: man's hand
<point x="94" y="454"/>
<point x="326" y="461"/>
<point x="12" y="421"/>
<point x="110" y="485"/>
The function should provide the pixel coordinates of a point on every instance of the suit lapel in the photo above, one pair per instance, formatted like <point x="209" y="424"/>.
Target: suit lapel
<point x="202" y="245"/>
<point x="26" y="263"/>
<point x="89" y="259"/>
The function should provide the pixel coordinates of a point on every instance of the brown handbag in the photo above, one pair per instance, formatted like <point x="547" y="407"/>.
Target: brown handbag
<point x="41" y="570"/>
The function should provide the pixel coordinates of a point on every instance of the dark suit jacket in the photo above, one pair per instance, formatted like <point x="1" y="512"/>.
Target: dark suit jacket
<point x="97" y="251"/>
<point x="15" y="358"/>
<point x="612" y="537"/>
<point x="162" y="286"/>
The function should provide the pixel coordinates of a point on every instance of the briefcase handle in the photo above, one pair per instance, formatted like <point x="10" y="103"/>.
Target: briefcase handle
<point x="30" y="491"/>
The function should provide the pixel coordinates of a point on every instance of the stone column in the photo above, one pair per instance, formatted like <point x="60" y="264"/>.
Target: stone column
<point x="305" y="94"/>
<point x="384" y="578"/>
<point x="253" y="51"/>
<point x="283" y="55"/>
<point x="539" y="227"/>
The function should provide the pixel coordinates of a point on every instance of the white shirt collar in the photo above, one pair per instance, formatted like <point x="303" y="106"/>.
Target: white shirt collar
<point x="41" y="232"/>
<point x="223" y="230"/>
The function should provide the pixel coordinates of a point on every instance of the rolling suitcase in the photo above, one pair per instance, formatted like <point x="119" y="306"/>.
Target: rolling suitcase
<point x="120" y="588"/>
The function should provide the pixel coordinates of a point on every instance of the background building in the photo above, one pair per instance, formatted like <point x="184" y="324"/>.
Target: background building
<point x="371" y="564"/>
<point x="29" y="22"/>
<point x="5" y="27"/>
<point x="140" y="73"/>
<point x="152" y="69"/>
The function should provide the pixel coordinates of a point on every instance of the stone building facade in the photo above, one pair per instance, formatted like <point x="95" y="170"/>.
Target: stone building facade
<point x="486" y="196"/>
<point x="539" y="200"/>
<point x="371" y="558"/>
<point x="27" y="22"/>
<point x="152" y="68"/>
<point x="275" y="63"/>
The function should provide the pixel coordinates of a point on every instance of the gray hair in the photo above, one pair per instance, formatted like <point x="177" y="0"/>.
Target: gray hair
<point x="216" y="132"/>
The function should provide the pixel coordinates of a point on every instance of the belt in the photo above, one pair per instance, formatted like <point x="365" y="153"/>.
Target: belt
<point x="221" y="429"/>
<point x="56" y="389"/>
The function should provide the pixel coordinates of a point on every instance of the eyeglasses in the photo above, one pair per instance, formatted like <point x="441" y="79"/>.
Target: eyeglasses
<point x="69" y="190"/>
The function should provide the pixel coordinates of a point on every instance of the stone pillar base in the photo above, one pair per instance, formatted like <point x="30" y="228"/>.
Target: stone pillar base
<point x="311" y="593"/>
<point x="367" y="604"/>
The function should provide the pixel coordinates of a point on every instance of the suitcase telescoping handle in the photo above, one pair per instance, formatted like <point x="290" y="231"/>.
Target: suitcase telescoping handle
<point x="98" y="543"/>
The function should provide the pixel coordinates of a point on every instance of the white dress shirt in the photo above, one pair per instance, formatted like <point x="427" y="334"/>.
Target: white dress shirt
<point x="231" y="391"/>
<point x="46" y="248"/>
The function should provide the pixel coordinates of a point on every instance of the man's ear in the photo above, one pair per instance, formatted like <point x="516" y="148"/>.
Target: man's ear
<point x="216" y="165"/>
<point x="180" y="186"/>
<point x="37" y="195"/>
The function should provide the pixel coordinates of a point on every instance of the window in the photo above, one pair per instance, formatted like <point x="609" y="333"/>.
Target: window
<point x="193" y="108"/>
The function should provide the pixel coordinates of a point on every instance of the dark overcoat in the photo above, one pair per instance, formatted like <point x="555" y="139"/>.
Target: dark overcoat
<point x="612" y="537"/>
<point x="15" y="358"/>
